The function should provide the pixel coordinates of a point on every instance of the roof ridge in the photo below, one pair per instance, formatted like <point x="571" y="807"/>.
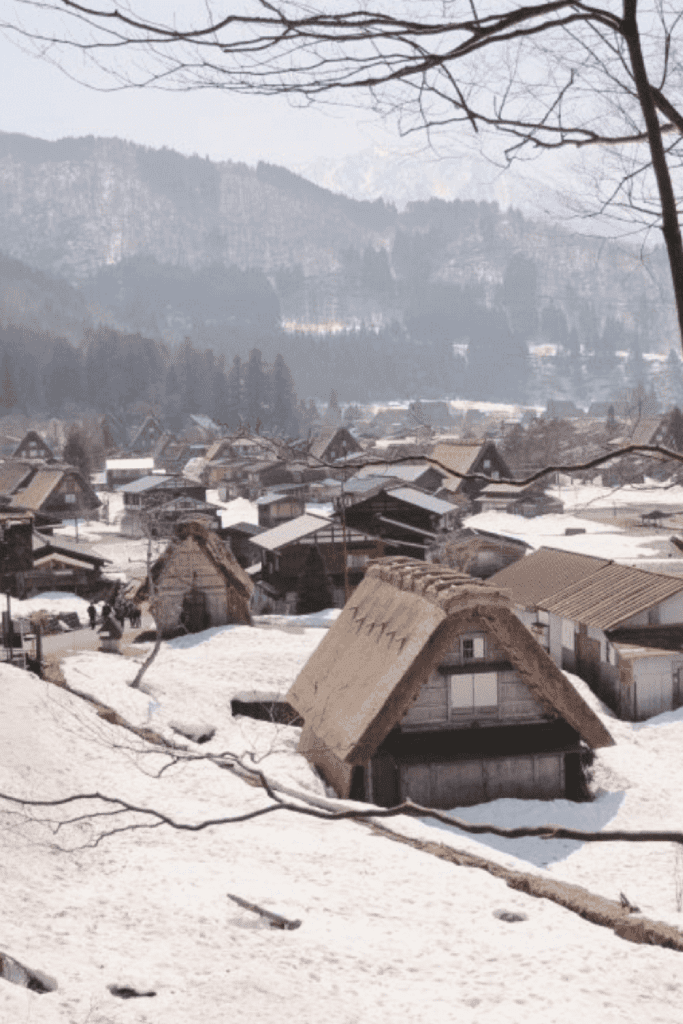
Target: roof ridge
<point x="438" y="584"/>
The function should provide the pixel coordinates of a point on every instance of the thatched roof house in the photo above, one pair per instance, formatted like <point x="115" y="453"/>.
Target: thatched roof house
<point x="197" y="583"/>
<point x="430" y="685"/>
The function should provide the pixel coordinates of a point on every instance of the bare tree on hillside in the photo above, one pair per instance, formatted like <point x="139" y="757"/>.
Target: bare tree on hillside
<point x="546" y="74"/>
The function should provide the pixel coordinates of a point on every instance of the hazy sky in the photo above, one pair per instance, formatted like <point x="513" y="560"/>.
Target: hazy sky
<point x="42" y="101"/>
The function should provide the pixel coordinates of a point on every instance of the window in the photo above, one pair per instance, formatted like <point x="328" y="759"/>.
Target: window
<point x="486" y="463"/>
<point x="469" y="692"/>
<point x="472" y="647"/>
<point x="70" y="499"/>
<point x="357" y="560"/>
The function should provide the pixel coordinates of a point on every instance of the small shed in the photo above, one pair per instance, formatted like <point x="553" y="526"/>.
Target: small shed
<point x="197" y="583"/>
<point x="428" y="687"/>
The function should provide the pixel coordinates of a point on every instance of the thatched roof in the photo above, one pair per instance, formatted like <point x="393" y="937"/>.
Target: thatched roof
<point x="397" y="626"/>
<point x="217" y="551"/>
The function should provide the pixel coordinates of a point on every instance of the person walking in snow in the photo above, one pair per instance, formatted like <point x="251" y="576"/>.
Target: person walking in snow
<point x="92" y="614"/>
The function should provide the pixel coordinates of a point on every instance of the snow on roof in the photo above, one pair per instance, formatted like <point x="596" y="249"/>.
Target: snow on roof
<point x="129" y="464"/>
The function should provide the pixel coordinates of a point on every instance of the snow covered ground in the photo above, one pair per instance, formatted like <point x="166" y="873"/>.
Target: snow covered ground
<point x="389" y="933"/>
<point x="599" y="539"/>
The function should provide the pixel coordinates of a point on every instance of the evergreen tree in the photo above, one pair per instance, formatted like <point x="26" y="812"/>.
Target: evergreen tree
<point x="284" y="399"/>
<point x="333" y="415"/>
<point x="76" y="451"/>
<point x="8" y="395"/>
<point x="674" y="433"/>
<point x="255" y="391"/>
<point x="234" y="403"/>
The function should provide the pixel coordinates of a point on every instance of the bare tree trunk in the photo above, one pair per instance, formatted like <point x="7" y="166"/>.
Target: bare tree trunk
<point x="670" y="226"/>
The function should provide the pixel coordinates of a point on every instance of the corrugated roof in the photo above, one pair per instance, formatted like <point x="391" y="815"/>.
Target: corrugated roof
<point x="401" y="470"/>
<point x="40" y="542"/>
<point x="145" y="483"/>
<point x="540" y="575"/>
<point x="426" y="501"/>
<point x="293" y="529"/>
<point x="305" y="526"/>
<point x="614" y="593"/>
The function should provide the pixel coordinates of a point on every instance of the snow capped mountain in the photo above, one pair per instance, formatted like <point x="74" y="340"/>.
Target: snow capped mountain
<point x="401" y="175"/>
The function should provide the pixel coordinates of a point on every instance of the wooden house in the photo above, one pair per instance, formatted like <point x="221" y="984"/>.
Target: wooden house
<point x="595" y="617"/>
<point x="428" y="687"/>
<point x="409" y="520"/>
<point x="274" y="509"/>
<point x="16" y="552"/>
<point x="32" y="446"/>
<point x="467" y="457"/>
<point x="55" y="492"/>
<point x="332" y="443"/>
<point x="143" y="497"/>
<point x="146" y="436"/>
<point x="60" y="564"/>
<point x="200" y="428"/>
<point x="418" y="473"/>
<point x="123" y="471"/>
<point x="197" y="583"/>
<point x="479" y="553"/>
<point x="114" y="433"/>
<point x="430" y="413"/>
<point x="239" y="537"/>
<point x="287" y="552"/>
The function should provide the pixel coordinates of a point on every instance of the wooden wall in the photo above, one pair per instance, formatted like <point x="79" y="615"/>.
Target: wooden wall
<point x="515" y="702"/>
<point x="190" y="567"/>
<point x="450" y="784"/>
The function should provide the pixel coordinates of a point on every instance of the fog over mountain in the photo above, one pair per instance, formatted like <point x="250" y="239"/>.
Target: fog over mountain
<point x="164" y="246"/>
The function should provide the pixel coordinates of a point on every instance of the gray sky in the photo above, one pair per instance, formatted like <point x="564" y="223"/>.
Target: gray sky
<point x="42" y="101"/>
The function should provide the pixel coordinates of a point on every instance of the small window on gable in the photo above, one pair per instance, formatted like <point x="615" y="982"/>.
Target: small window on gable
<point x="472" y="647"/>
<point x="486" y="463"/>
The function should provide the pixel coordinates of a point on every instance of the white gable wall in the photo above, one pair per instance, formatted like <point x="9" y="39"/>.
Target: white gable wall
<point x="668" y="612"/>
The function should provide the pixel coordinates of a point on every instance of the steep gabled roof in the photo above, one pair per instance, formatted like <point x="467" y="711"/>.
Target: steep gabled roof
<point x="33" y="437"/>
<point x="540" y="575"/>
<point x="215" y="548"/>
<point x="398" y="624"/>
<point x="324" y="438"/>
<point x="13" y="475"/>
<point x="39" y="488"/>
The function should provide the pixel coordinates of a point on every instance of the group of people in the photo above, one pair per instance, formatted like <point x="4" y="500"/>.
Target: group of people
<point x="120" y="610"/>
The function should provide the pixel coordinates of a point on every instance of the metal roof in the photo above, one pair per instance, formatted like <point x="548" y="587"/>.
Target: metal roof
<point x="613" y="594"/>
<point x="145" y="483"/>
<point x="248" y="528"/>
<point x="304" y="526"/>
<point x="400" y="470"/>
<point x="426" y="501"/>
<point x="540" y="575"/>
<point x="292" y="530"/>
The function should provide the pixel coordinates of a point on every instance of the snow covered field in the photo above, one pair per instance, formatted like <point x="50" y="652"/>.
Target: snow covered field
<point x="389" y="933"/>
